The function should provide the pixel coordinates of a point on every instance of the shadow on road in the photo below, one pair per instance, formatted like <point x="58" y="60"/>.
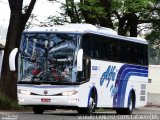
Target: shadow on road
<point x="74" y="113"/>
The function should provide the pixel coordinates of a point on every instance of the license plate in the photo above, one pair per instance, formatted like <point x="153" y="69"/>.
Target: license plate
<point x="45" y="100"/>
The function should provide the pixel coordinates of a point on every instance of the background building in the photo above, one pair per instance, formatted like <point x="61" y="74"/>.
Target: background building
<point x="154" y="85"/>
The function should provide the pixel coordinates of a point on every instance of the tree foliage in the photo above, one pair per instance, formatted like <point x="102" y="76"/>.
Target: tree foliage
<point x="130" y="14"/>
<point x="154" y="46"/>
<point x="123" y="15"/>
<point x="154" y="37"/>
<point x="128" y="17"/>
<point x="85" y="11"/>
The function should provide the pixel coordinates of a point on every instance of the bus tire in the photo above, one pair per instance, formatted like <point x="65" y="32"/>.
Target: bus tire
<point x="91" y="106"/>
<point x="119" y="111"/>
<point x="38" y="110"/>
<point x="129" y="109"/>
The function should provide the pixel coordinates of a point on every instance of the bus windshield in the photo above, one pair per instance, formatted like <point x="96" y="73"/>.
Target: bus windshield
<point x="48" y="57"/>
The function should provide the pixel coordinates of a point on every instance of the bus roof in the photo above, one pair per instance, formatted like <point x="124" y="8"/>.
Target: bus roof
<point x="86" y="28"/>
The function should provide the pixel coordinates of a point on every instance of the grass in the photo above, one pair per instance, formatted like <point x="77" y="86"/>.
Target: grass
<point x="7" y="104"/>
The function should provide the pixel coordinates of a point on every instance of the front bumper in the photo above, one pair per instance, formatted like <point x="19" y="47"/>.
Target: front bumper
<point x="31" y="100"/>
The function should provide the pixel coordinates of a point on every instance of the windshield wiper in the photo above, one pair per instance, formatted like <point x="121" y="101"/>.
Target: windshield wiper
<point x="38" y="78"/>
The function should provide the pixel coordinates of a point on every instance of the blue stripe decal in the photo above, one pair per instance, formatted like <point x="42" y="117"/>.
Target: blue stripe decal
<point x="125" y="72"/>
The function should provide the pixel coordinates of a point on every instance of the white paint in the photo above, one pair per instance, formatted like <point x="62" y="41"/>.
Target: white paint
<point x="154" y="75"/>
<point x="105" y="97"/>
<point x="82" y="28"/>
<point x="103" y="76"/>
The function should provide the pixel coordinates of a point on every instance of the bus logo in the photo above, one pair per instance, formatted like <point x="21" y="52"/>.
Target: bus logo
<point x="108" y="75"/>
<point x="45" y="92"/>
<point x="94" y="68"/>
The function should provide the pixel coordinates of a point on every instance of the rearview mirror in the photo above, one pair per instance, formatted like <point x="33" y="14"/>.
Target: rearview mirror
<point x="80" y="60"/>
<point x="12" y="59"/>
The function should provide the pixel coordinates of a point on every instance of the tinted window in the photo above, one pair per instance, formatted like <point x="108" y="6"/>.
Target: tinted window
<point x="113" y="49"/>
<point x="86" y="44"/>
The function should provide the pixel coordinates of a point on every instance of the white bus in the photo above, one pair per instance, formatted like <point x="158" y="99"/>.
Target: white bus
<point x="82" y="67"/>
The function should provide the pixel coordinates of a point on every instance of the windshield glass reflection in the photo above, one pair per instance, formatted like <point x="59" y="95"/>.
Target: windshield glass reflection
<point x="48" y="57"/>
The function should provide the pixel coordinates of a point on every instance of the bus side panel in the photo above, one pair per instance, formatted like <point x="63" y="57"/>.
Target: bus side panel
<point x="136" y="83"/>
<point x="127" y="73"/>
<point x="104" y="75"/>
<point x="83" y="94"/>
<point x="114" y="81"/>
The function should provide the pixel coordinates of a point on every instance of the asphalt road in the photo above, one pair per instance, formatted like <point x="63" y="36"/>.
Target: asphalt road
<point x="149" y="113"/>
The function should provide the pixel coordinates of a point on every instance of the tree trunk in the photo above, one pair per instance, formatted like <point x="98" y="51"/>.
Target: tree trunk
<point x="133" y="22"/>
<point x="8" y="85"/>
<point x="106" y="22"/>
<point x="72" y="11"/>
<point x="8" y="82"/>
<point x="129" y="23"/>
<point x="121" y="26"/>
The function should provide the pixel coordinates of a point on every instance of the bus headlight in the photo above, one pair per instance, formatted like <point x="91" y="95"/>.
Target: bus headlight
<point x="24" y="92"/>
<point x="68" y="93"/>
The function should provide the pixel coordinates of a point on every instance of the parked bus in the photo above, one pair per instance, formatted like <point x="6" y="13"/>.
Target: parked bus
<point x="82" y="67"/>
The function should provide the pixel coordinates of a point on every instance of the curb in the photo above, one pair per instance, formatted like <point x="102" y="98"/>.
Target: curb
<point x="152" y="105"/>
<point x="149" y="107"/>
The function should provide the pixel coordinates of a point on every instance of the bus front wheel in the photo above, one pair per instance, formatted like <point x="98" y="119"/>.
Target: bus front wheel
<point x="91" y="107"/>
<point x="38" y="110"/>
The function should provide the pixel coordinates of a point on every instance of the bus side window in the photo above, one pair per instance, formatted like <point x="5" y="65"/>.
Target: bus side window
<point x="86" y="44"/>
<point x="86" y="68"/>
<point x="94" y="47"/>
<point x="106" y="48"/>
<point x="145" y="54"/>
<point x="112" y="49"/>
<point x="84" y="75"/>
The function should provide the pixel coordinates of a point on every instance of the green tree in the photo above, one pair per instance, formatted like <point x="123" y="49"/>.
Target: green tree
<point x="18" y="18"/>
<point x="153" y="36"/>
<point x="71" y="11"/>
<point x="154" y="47"/>
<point x="131" y="13"/>
<point x="85" y="11"/>
<point x="128" y="17"/>
<point x="154" y="43"/>
<point x="123" y="15"/>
